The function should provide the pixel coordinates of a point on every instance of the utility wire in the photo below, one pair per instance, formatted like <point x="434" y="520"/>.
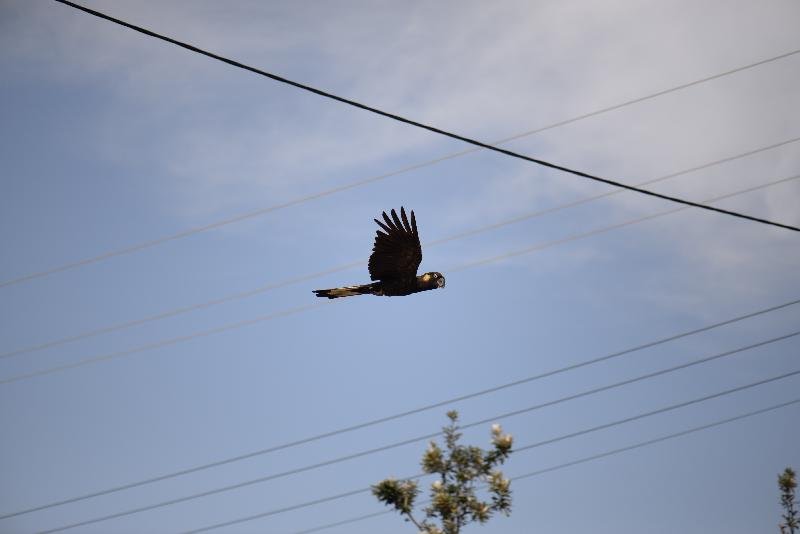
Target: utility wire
<point x="269" y="287"/>
<point x="433" y="129"/>
<point x="592" y="198"/>
<point x="343" y="522"/>
<point x="373" y="179"/>
<point x="407" y="413"/>
<point x="463" y="427"/>
<point x="604" y="229"/>
<point x="250" y="322"/>
<point x="163" y="343"/>
<point x="179" y="311"/>
<point x="539" y="472"/>
<point x="658" y="411"/>
<point x="527" y="447"/>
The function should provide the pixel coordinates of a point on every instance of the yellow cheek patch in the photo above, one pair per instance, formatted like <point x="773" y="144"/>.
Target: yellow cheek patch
<point x="426" y="278"/>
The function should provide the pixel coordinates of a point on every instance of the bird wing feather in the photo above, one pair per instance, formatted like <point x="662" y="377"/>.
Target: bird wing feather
<point x="397" y="252"/>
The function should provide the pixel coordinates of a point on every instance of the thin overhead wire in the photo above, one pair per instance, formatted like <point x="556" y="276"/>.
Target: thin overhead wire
<point x="539" y="472"/>
<point x="592" y="198"/>
<point x="666" y="409"/>
<point x="179" y="311"/>
<point x="343" y="522"/>
<point x="296" y="280"/>
<point x="401" y="415"/>
<point x="163" y="343"/>
<point x="429" y="436"/>
<point x="427" y="127"/>
<point x="484" y="261"/>
<point x="527" y="475"/>
<point x="604" y="229"/>
<point x="653" y="441"/>
<point x="373" y="179"/>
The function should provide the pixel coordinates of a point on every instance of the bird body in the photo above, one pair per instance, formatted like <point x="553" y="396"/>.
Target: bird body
<point x="393" y="264"/>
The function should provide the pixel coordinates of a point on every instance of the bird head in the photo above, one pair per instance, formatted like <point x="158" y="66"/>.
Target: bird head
<point x="434" y="280"/>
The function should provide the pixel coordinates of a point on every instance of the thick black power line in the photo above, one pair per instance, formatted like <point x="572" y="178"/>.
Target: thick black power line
<point x="541" y="471"/>
<point x="687" y="203"/>
<point x="296" y="280"/>
<point x="425" y="437"/>
<point x="411" y="122"/>
<point x="320" y="194"/>
<point x="604" y="229"/>
<point x="291" y="311"/>
<point x="407" y="413"/>
<point x="373" y="179"/>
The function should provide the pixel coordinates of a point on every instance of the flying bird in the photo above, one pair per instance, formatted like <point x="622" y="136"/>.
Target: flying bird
<point x="394" y="262"/>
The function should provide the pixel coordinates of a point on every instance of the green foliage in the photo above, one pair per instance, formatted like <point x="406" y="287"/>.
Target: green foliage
<point x="398" y="493"/>
<point x="455" y="500"/>
<point x="788" y="483"/>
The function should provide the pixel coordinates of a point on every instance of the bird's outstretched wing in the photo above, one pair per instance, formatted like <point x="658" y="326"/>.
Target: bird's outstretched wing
<point x="397" y="252"/>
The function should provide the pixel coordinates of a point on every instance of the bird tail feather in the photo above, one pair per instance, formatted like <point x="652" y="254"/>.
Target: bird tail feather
<point x="348" y="291"/>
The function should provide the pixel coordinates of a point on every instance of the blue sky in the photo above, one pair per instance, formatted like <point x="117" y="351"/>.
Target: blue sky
<point x="111" y="139"/>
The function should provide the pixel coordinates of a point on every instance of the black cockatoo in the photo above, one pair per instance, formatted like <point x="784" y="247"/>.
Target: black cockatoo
<point x="394" y="262"/>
